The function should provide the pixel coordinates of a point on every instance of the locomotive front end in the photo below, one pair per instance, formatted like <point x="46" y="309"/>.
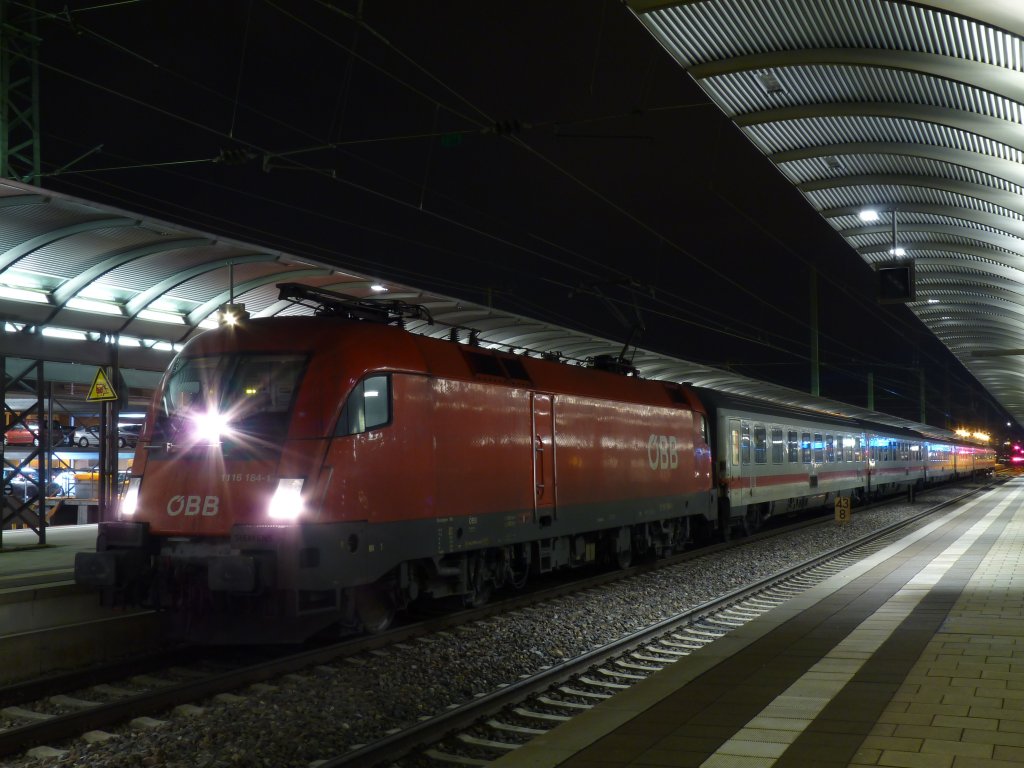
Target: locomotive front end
<point x="210" y="529"/>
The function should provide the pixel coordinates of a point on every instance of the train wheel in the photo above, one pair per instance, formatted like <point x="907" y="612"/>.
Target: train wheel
<point x="624" y="548"/>
<point x="751" y="521"/>
<point x="375" y="608"/>
<point x="518" y="566"/>
<point x="481" y="583"/>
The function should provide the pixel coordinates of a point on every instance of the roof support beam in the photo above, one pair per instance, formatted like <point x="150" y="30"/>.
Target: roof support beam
<point x="23" y="249"/>
<point x="1000" y="131"/>
<point x="200" y="313"/>
<point x="115" y="259"/>
<point x="1009" y="200"/>
<point x="154" y="292"/>
<point x="986" y="77"/>
<point x="997" y="239"/>
<point x="976" y="161"/>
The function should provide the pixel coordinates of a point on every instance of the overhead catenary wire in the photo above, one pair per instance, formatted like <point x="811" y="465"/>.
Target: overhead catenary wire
<point x="483" y="120"/>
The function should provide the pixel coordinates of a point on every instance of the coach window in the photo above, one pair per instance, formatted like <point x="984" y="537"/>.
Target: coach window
<point x="367" y="407"/>
<point x="760" y="444"/>
<point x="819" y="446"/>
<point x="830" y="449"/>
<point x="792" y="447"/>
<point x="848" y="448"/>
<point x="778" y="447"/>
<point x="858" y="450"/>
<point x="704" y="428"/>
<point x="805" y="447"/>
<point x="745" y="443"/>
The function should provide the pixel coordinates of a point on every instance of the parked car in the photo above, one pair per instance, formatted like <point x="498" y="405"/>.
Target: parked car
<point x="90" y="437"/>
<point x="19" y="434"/>
<point x="85" y="437"/>
<point x="23" y="485"/>
<point x="59" y="434"/>
<point x="30" y="434"/>
<point x="131" y="433"/>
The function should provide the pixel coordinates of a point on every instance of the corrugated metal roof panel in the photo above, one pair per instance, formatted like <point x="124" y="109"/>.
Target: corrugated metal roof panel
<point x="789" y="96"/>
<point x="741" y="92"/>
<point x="862" y="195"/>
<point x="141" y="274"/>
<point x="722" y="29"/>
<point x="827" y="130"/>
<point x="812" y="169"/>
<point x="69" y="256"/>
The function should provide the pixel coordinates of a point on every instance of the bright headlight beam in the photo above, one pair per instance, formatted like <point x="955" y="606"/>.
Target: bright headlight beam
<point x="286" y="503"/>
<point x="211" y="426"/>
<point x="130" y="502"/>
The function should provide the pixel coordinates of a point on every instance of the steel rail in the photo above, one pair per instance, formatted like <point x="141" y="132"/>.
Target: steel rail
<point x="426" y="732"/>
<point x="65" y="726"/>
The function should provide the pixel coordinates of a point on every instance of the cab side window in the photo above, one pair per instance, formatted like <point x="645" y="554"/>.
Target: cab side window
<point x="367" y="407"/>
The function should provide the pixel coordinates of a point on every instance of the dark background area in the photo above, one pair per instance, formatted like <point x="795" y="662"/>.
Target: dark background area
<point x="546" y="158"/>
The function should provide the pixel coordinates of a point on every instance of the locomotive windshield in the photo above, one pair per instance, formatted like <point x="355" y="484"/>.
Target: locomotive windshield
<point x="207" y="399"/>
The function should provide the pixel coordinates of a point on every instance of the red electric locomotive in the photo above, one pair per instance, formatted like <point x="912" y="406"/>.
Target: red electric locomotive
<point x="298" y="472"/>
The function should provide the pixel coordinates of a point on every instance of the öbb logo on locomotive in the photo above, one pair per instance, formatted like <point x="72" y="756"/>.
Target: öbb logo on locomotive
<point x="190" y="506"/>
<point x="663" y="452"/>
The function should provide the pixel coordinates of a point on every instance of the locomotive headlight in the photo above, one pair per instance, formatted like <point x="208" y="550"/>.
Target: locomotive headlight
<point x="286" y="503"/>
<point x="211" y="426"/>
<point x="130" y="502"/>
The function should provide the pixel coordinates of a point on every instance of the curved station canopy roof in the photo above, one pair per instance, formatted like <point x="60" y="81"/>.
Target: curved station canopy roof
<point x="79" y="281"/>
<point x="901" y="124"/>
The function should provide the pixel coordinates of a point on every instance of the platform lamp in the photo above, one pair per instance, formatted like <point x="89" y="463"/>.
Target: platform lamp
<point x="895" y="277"/>
<point x="232" y="313"/>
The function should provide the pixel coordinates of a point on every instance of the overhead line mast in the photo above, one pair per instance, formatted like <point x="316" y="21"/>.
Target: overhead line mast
<point x="19" y="91"/>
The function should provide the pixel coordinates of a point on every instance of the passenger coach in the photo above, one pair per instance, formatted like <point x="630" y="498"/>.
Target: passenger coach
<point x="773" y="460"/>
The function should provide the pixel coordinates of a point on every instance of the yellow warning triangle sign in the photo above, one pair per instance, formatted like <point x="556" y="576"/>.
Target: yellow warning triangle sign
<point x="101" y="388"/>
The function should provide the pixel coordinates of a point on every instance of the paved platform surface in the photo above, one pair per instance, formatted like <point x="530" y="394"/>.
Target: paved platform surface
<point x="24" y="564"/>
<point x="912" y="658"/>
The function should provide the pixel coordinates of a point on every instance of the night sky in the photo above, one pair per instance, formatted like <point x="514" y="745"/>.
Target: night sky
<point x="548" y="158"/>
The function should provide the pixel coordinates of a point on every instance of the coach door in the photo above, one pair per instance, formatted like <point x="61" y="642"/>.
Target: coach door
<point x="543" y="458"/>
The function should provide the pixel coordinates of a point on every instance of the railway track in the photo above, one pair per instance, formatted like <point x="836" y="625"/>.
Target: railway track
<point x="491" y="726"/>
<point x="43" y="719"/>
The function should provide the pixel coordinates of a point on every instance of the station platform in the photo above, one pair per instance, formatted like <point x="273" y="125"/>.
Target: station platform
<point x="913" y="657"/>
<point x="24" y="564"/>
<point x="48" y="623"/>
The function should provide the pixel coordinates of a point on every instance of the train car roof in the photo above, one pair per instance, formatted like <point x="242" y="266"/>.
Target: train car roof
<point x="719" y="399"/>
<point x="492" y="330"/>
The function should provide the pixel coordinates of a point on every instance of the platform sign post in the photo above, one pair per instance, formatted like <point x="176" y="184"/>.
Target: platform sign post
<point x="842" y="510"/>
<point x="102" y="392"/>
